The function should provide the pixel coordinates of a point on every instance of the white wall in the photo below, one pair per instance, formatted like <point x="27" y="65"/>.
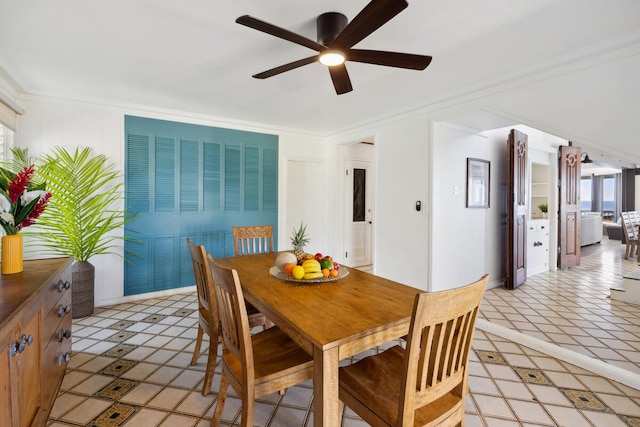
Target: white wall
<point x="305" y="192"/>
<point x="402" y="178"/>
<point x="466" y="242"/>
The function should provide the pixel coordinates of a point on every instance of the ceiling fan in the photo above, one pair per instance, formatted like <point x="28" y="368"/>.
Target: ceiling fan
<point x="336" y="37"/>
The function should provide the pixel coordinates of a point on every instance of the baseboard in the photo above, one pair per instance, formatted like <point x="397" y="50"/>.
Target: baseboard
<point x="596" y="366"/>
<point x="158" y="294"/>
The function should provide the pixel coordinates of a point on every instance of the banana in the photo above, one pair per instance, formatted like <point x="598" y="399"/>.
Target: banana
<point x="312" y="269"/>
<point x="311" y="266"/>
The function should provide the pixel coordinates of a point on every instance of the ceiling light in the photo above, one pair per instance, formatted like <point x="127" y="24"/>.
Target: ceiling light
<point x="331" y="57"/>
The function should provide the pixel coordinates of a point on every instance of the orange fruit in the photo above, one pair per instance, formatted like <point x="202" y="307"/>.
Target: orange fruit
<point x="334" y="273"/>
<point x="325" y="272"/>
<point x="288" y="268"/>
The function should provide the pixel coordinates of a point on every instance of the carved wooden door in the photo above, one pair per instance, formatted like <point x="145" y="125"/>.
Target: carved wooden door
<point x="517" y="209"/>
<point x="569" y="206"/>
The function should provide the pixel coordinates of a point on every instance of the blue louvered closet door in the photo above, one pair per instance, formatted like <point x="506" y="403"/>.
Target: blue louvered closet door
<point x="191" y="181"/>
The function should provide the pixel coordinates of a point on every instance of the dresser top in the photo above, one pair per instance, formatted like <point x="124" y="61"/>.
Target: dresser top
<point x="16" y="289"/>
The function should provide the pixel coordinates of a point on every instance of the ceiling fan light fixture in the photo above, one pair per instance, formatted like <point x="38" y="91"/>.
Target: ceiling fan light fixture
<point x="336" y="38"/>
<point x="331" y="58"/>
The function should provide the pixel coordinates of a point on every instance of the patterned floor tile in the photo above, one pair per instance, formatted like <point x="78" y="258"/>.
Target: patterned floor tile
<point x="121" y="336"/>
<point x="154" y="318"/>
<point x="183" y="312"/>
<point x="118" y="367"/>
<point x="532" y="376"/>
<point x="114" y="416"/>
<point x="633" y="422"/>
<point x="116" y="389"/>
<point x="583" y="399"/>
<point x="122" y="324"/>
<point x="120" y="350"/>
<point x="490" y="357"/>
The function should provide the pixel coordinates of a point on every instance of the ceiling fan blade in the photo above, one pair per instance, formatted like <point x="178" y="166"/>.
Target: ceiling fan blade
<point x="286" y="67"/>
<point x="373" y="16"/>
<point x="340" y="78"/>
<point x="389" y="59"/>
<point x="265" y="27"/>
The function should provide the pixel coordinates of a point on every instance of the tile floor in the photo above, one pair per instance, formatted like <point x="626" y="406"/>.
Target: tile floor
<point x="130" y="363"/>
<point x="572" y="308"/>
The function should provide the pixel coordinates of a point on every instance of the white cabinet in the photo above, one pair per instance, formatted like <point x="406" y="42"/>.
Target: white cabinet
<point x="537" y="246"/>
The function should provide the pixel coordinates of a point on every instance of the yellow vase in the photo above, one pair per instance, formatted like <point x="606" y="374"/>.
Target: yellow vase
<point x="12" y="254"/>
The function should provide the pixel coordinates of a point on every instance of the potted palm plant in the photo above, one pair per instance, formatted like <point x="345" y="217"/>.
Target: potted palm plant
<point x="82" y="215"/>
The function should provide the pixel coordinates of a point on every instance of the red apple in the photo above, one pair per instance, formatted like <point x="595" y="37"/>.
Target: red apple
<point x="319" y="256"/>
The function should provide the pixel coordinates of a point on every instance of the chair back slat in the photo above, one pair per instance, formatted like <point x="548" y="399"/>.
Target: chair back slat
<point x="456" y="345"/>
<point x="438" y="346"/>
<point x="252" y="239"/>
<point x="630" y="221"/>
<point x="465" y="338"/>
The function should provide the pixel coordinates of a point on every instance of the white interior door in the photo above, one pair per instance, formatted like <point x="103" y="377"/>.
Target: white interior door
<point x="359" y="213"/>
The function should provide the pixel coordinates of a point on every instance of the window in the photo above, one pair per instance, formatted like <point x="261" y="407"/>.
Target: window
<point x="359" y="185"/>
<point x="585" y="194"/>
<point x="608" y="197"/>
<point x="601" y="194"/>
<point x="6" y="142"/>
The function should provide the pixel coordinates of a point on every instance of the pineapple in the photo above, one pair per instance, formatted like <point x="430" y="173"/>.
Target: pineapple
<point x="299" y="239"/>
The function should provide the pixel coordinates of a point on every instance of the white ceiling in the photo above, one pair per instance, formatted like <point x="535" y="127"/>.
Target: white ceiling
<point x="569" y="67"/>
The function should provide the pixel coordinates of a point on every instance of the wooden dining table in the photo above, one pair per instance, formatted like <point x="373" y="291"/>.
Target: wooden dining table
<point x="331" y="320"/>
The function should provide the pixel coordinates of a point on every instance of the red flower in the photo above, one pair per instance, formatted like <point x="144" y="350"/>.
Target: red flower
<point x="20" y="183"/>
<point x="35" y="213"/>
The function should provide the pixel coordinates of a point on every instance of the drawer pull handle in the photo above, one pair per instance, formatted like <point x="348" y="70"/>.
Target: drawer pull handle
<point x="22" y="344"/>
<point x="63" y="358"/>
<point x="63" y="286"/>
<point x="64" y="309"/>
<point x="13" y="349"/>
<point x="64" y="334"/>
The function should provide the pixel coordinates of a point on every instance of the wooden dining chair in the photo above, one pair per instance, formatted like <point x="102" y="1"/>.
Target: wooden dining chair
<point x="255" y="239"/>
<point x="255" y="365"/>
<point x="208" y="320"/>
<point x="426" y="384"/>
<point x="630" y="221"/>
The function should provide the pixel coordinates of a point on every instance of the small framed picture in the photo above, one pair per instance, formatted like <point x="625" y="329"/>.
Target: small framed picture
<point x="478" y="180"/>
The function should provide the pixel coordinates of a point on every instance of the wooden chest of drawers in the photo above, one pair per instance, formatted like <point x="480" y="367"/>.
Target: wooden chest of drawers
<point x="35" y="339"/>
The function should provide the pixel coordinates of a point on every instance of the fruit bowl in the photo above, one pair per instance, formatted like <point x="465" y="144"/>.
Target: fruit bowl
<point x="277" y="273"/>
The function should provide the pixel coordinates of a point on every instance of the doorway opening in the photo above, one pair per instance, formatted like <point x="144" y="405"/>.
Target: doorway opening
<point x="358" y="205"/>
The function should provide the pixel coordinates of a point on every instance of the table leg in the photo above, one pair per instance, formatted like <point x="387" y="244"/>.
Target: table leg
<point x="326" y="403"/>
